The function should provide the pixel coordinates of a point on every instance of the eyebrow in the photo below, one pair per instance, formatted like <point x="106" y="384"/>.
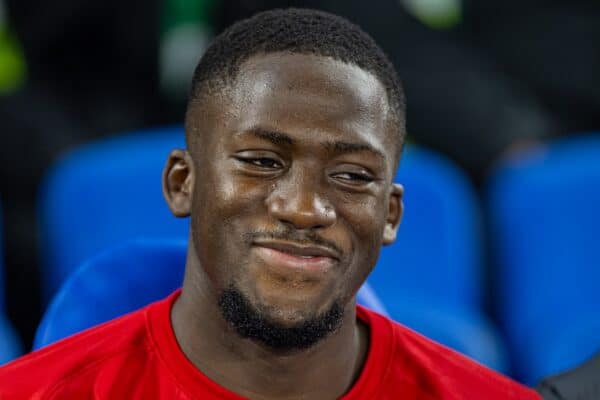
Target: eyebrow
<point x="349" y="147"/>
<point x="278" y="138"/>
<point x="335" y="146"/>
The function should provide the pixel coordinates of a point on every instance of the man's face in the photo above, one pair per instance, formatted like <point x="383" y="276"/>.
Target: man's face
<point x="292" y="194"/>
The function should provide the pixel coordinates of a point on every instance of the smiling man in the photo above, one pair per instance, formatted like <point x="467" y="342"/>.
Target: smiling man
<point x="295" y="125"/>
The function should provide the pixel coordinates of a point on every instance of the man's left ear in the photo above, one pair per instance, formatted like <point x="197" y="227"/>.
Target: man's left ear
<point x="395" y="213"/>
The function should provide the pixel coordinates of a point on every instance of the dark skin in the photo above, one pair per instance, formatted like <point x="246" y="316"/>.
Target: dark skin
<point x="300" y="147"/>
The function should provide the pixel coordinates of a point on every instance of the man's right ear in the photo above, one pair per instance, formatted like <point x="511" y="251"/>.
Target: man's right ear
<point x="178" y="182"/>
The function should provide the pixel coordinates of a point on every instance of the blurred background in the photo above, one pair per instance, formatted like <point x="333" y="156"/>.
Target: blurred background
<point x="500" y="91"/>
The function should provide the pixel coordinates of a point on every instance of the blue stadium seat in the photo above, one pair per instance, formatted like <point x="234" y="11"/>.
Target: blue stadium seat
<point x="102" y="194"/>
<point x="10" y="345"/>
<point x="120" y="280"/>
<point x="544" y="215"/>
<point x="109" y="191"/>
<point x="115" y="282"/>
<point x="437" y="255"/>
<point x="431" y="278"/>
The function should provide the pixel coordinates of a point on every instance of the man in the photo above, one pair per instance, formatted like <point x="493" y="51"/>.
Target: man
<point x="294" y="129"/>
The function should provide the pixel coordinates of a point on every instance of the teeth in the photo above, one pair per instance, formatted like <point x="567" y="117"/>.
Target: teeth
<point x="307" y="256"/>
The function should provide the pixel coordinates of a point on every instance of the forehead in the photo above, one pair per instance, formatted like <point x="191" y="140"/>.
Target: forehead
<point x="310" y="77"/>
<point x="309" y="97"/>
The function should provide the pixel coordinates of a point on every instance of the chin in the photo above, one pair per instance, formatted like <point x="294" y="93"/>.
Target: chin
<point x="292" y="306"/>
<point x="286" y="315"/>
<point x="293" y="296"/>
<point x="282" y="327"/>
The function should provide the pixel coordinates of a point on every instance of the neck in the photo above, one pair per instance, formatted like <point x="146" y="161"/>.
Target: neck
<point x="326" y="370"/>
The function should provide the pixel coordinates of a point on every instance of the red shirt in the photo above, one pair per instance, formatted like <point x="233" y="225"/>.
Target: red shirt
<point x="137" y="357"/>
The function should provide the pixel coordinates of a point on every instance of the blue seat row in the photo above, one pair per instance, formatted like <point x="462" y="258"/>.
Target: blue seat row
<point x="109" y="192"/>
<point x="101" y="195"/>
<point x="544" y="208"/>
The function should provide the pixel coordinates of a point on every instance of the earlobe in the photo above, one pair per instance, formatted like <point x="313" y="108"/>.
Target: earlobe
<point x="178" y="182"/>
<point x="395" y="213"/>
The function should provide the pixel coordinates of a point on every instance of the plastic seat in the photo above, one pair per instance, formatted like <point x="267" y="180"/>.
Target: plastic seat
<point x="121" y="280"/>
<point x="113" y="283"/>
<point x="10" y="345"/>
<point x="431" y="278"/>
<point x="102" y="194"/>
<point x="437" y="255"/>
<point x="544" y="214"/>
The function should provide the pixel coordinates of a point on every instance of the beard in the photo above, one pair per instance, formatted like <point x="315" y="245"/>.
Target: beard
<point x="251" y="323"/>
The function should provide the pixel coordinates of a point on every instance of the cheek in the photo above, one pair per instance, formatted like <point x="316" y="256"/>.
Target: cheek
<point x="365" y="219"/>
<point x="224" y="208"/>
<point x="365" y="216"/>
<point x="222" y="195"/>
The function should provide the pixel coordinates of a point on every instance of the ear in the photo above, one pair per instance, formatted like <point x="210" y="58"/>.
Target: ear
<point x="178" y="182"/>
<point x="395" y="213"/>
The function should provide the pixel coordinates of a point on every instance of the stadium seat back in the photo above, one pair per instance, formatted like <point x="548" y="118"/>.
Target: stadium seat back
<point x="437" y="255"/>
<point x="544" y="217"/>
<point x="112" y="283"/>
<point x="10" y="345"/>
<point x="102" y="194"/>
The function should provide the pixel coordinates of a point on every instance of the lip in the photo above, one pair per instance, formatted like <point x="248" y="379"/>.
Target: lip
<point x="287" y="255"/>
<point x="298" y="249"/>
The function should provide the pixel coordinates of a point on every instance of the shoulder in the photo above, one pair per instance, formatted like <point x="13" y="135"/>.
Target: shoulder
<point x="438" y="372"/>
<point x="77" y="360"/>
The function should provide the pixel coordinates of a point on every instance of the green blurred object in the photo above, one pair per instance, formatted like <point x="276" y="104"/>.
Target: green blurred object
<point x="436" y="14"/>
<point x="186" y="30"/>
<point x="179" y="12"/>
<point x="12" y="62"/>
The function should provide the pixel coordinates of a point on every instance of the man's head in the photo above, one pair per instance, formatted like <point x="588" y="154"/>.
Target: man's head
<point x="294" y="128"/>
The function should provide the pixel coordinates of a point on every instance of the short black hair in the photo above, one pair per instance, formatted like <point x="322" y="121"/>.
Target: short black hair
<point x="302" y="31"/>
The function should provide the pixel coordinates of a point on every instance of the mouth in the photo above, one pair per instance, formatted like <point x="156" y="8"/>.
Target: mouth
<point x="293" y="256"/>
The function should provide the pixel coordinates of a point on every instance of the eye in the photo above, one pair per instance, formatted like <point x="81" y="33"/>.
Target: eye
<point x="261" y="162"/>
<point x="354" y="177"/>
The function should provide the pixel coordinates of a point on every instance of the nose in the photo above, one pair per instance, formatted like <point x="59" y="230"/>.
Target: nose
<point x="297" y="202"/>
